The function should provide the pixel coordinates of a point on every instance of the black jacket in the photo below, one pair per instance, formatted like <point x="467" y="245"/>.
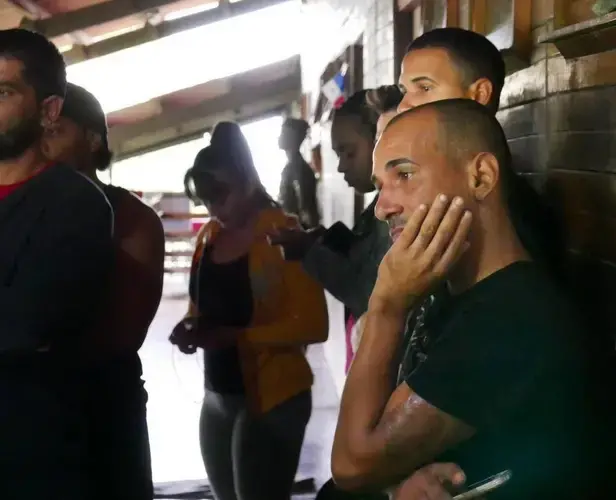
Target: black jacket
<point x="56" y="254"/>
<point x="346" y="262"/>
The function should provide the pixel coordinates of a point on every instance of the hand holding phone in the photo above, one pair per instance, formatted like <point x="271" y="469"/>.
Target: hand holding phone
<point x="482" y="487"/>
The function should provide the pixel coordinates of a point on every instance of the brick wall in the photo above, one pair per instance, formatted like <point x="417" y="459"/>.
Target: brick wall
<point x="558" y="113"/>
<point x="379" y="44"/>
<point x="560" y="119"/>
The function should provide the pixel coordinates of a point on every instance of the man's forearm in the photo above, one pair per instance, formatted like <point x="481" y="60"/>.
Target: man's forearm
<point x="384" y="435"/>
<point x="367" y="390"/>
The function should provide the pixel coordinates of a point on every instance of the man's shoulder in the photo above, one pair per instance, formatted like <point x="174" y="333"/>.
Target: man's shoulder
<point x="72" y="202"/>
<point x="521" y="300"/>
<point x="129" y="201"/>
<point x="69" y="176"/>
<point x="286" y="171"/>
<point x="131" y="212"/>
<point x="520" y="283"/>
<point x="69" y="185"/>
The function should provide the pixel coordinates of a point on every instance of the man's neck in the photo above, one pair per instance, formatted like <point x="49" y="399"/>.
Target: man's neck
<point x="491" y="249"/>
<point x="22" y="168"/>
<point x="293" y="154"/>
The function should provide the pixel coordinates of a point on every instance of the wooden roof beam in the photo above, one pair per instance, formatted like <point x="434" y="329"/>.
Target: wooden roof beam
<point x="167" y="28"/>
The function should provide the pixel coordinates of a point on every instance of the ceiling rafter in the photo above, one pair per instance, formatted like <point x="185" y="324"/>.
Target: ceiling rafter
<point x="89" y="17"/>
<point x="250" y="94"/>
<point x="164" y="29"/>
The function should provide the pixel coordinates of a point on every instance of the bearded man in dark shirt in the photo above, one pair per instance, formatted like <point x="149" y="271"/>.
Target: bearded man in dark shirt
<point x="55" y="254"/>
<point x="498" y="379"/>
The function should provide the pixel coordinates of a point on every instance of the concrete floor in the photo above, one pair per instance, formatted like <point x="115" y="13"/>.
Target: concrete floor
<point x="174" y="382"/>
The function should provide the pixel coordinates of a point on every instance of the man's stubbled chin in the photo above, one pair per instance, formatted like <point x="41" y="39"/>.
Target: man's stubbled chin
<point x="395" y="232"/>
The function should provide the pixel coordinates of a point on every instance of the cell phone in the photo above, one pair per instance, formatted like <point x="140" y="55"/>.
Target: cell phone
<point x="482" y="487"/>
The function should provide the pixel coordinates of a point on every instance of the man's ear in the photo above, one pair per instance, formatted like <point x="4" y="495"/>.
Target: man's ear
<point x="481" y="91"/>
<point x="50" y="110"/>
<point x="483" y="174"/>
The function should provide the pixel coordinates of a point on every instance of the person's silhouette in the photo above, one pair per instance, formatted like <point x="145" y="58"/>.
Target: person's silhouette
<point x="298" y="186"/>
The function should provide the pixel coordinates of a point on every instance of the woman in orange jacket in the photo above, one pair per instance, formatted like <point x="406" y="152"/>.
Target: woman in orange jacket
<point x="253" y="314"/>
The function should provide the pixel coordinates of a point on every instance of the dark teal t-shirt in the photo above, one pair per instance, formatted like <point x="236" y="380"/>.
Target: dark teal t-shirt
<point x="507" y="358"/>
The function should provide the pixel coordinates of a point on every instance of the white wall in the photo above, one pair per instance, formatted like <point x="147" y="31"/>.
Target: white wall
<point x="337" y="205"/>
<point x="332" y="25"/>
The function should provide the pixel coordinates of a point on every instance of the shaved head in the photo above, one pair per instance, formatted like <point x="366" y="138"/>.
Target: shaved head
<point x="463" y="151"/>
<point x="464" y="129"/>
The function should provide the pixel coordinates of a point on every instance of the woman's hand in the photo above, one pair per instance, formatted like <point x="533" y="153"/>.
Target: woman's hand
<point x="427" y="248"/>
<point x="189" y="335"/>
<point x="184" y="335"/>
<point x="431" y="483"/>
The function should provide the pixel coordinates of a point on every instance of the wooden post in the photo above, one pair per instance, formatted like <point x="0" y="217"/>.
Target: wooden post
<point x="522" y="28"/>
<point x="407" y="5"/>
<point x="453" y="14"/>
<point x="479" y="15"/>
<point x="403" y="35"/>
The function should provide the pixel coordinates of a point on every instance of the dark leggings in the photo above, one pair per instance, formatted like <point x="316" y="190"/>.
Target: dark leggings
<point x="251" y="457"/>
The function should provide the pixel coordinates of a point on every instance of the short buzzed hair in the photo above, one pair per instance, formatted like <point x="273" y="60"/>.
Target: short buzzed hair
<point x="466" y="128"/>
<point x="384" y="99"/>
<point x="473" y="54"/>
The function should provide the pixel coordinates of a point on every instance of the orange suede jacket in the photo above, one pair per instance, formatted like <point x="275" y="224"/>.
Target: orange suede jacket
<point x="289" y="313"/>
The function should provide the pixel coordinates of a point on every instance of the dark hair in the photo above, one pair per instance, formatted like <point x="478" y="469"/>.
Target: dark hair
<point x="298" y="127"/>
<point x="356" y="106"/>
<point x="384" y="99"/>
<point x="475" y="56"/>
<point x="188" y="189"/>
<point x="103" y="158"/>
<point x="465" y="128"/>
<point x="83" y="108"/>
<point x="44" y="67"/>
<point x="228" y="151"/>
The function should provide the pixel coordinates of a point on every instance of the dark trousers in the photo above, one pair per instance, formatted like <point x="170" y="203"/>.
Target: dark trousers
<point x="119" y="460"/>
<point x="250" y="457"/>
<point x="43" y="445"/>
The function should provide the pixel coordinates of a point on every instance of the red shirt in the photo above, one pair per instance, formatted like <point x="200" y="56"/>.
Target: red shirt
<point x="8" y="189"/>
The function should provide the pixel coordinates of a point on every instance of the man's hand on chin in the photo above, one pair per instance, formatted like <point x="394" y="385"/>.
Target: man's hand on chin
<point x="430" y="244"/>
